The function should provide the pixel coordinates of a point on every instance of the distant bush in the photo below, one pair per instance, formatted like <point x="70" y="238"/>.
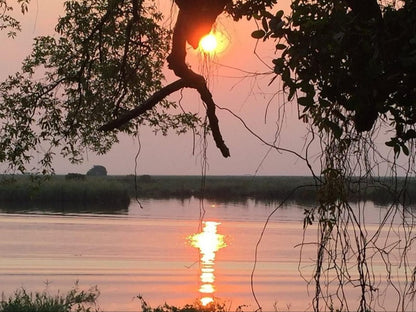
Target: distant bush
<point x="97" y="171"/>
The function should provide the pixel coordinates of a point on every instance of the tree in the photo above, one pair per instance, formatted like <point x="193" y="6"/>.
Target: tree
<point x="350" y="66"/>
<point x="352" y="62"/>
<point x="7" y="21"/>
<point x="105" y="64"/>
<point x="107" y="58"/>
<point x="97" y="171"/>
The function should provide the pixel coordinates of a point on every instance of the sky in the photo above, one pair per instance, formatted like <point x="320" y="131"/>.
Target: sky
<point x="237" y="82"/>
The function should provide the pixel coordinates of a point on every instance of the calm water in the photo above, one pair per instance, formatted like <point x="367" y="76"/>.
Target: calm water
<point x="149" y="252"/>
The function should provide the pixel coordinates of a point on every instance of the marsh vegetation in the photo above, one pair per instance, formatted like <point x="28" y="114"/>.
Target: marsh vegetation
<point x="115" y="192"/>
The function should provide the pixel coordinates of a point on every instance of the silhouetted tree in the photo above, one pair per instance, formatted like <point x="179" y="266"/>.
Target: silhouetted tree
<point x="97" y="171"/>
<point x="350" y="65"/>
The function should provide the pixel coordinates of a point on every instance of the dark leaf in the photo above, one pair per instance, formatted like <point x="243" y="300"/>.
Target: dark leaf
<point x="280" y="46"/>
<point x="258" y="34"/>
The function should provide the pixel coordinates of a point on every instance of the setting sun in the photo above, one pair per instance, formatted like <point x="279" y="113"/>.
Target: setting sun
<point x="208" y="43"/>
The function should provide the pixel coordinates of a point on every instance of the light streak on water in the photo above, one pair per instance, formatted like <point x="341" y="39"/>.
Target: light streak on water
<point x="208" y="242"/>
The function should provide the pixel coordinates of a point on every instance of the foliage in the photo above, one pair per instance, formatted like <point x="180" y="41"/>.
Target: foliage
<point x="241" y="188"/>
<point x="348" y="67"/>
<point x="107" y="57"/>
<point x="7" y="21"/>
<point x="115" y="192"/>
<point x="248" y="9"/>
<point x="75" y="300"/>
<point x="75" y="176"/>
<point x="60" y="191"/>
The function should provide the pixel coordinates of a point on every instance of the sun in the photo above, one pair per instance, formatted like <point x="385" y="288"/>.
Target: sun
<point x="208" y="43"/>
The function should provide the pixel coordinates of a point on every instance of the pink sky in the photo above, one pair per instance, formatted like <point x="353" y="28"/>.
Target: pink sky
<point x="246" y="97"/>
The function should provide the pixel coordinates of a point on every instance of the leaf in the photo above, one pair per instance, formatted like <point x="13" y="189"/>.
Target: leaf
<point x="335" y="128"/>
<point x="410" y="134"/>
<point x="258" y="34"/>
<point x="305" y="101"/>
<point x="279" y="14"/>
<point x="292" y="92"/>
<point x="396" y="149"/>
<point x="265" y="25"/>
<point x="405" y="150"/>
<point x="280" y="46"/>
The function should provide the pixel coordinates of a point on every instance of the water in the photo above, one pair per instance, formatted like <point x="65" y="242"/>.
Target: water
<point x="148" y="252"/>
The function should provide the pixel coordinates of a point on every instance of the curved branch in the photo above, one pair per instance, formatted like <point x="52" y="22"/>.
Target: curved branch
<point x="206" y="96"/>
<point x="187" y="23"/>
<point x="145" y="106"/>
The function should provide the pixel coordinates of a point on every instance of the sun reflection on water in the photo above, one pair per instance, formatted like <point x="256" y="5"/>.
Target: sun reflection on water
<point x="209" y="242"/>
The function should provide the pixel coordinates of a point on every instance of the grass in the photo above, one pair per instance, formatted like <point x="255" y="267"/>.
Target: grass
<point x="262" y="188"/>
<point x="75" y="300"/>
<point x="115" y="192"/>
<point x="227" y="188"/>
<point x="61" y="192"/>
<point x="197" y="307"/>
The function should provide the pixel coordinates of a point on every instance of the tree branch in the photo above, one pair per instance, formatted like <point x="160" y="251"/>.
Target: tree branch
<point x="187" y="23"/>
<point x="206" y="96"/>
<point x="145" y="106"/>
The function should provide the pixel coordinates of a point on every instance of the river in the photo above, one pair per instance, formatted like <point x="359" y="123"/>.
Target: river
<point x="148" y="251"/>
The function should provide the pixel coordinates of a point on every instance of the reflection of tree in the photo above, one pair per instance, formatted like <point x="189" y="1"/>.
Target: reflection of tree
<point x="64" y="208"/>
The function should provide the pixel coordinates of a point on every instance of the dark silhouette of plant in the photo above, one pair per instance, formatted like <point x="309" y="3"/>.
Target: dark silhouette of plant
<point x="97" y="170"/>
<point x="75" y="300"/>
<point x="7" y="20"/>
<point x="350" y="66"/>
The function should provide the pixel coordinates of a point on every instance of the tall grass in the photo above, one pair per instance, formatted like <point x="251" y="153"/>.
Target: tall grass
<point x="116" y="191"/>
<point x="196" y="307"/>
<point x="263" y="188"/>
<point x="59" y="191"/>
<point x="75" y="300"/>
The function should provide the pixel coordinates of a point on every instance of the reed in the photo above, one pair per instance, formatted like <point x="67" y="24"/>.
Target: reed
<point x="117" y="191"/>
<point x="60" y="191"/>
<point x="299" y="189"/>
<point x="75" y="300"/>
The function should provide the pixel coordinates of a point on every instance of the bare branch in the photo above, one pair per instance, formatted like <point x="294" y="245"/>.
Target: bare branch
<point x="206" y="96"/>
<point x="145" y="106"/>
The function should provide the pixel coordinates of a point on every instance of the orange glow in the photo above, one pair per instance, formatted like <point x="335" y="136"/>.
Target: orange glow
<point x="206" y="300"/>
<point x="213" y="43"/>
<point x="208" y="43"/>
<point x="209" y="242"/>
<point x="207" y="289"/>
<point x="207" y="277"/>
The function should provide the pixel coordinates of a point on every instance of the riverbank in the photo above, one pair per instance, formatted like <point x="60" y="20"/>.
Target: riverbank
<point x="117" y="191"/>
<point x="63" y="192"/>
